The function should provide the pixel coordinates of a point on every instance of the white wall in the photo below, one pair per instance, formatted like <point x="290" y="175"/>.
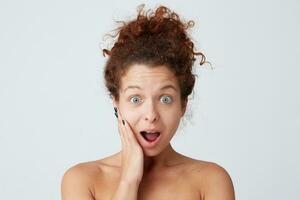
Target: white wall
<point x="54" y="111"/>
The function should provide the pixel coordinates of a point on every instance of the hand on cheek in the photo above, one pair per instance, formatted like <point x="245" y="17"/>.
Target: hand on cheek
<point x="132" y="153"/>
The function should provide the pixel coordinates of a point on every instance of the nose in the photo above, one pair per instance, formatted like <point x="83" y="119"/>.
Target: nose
<point x="151" y="113"/>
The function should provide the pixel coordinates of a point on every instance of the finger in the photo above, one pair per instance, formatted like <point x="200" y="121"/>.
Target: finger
<point x="121" y="135"/>
<point x="120" y="116"/>
<point x="129" y="133"/>
<point x="121" y="127"/>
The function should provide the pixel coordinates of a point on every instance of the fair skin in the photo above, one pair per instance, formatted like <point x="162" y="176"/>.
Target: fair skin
<point x="149" y="98"/>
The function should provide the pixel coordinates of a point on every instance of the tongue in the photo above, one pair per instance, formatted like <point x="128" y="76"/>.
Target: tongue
<point x="151" y="136"/>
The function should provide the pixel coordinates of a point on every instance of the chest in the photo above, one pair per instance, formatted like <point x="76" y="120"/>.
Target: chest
<point x="162" y="188"/>
<point x="175" y="189"/>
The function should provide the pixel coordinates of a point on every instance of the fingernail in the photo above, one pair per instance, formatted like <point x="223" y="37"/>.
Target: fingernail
<point x="116" y="112"/>
<point x="123" y="122"/>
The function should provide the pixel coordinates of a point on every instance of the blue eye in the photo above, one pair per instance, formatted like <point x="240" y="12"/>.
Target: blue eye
<point x="166" y="99"/>
<point x="135" y="99"/>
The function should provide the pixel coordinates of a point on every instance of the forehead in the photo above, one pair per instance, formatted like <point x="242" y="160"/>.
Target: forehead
<point x="144" y="75"/>
<point x="148" y="77"/>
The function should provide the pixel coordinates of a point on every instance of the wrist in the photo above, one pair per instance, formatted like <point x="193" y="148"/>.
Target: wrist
<point x="129" y="183"/>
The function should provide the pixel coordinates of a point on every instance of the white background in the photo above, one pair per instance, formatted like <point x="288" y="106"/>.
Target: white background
<point x="55" y="112"/>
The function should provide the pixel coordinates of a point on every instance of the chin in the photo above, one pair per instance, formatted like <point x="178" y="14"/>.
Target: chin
<point x="151" y="152"/>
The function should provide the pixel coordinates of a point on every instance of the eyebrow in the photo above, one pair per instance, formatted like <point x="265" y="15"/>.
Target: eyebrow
<point x="138" y="87"/>
<point x="168" y="87"/>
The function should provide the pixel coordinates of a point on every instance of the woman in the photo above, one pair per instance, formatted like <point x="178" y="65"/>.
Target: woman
<point x="149" y="76"/>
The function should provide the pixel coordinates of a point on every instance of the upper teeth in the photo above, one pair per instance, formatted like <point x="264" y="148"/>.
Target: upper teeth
<point x="149" y="132"/>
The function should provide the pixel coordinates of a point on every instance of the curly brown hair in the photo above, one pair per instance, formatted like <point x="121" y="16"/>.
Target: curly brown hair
<point x="156" y="38"/>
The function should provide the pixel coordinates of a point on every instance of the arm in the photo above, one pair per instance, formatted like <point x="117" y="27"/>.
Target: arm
<point x="219" y="185"/>
<point x="132" y="163"/>
<point x="126" y="190"/>
<point x="76" y="184"/>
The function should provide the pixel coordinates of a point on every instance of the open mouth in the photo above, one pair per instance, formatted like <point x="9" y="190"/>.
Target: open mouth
<point x="150" y="136"/>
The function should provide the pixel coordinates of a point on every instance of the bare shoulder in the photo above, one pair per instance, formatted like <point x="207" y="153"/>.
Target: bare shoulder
<point x="77" y="182"/>
<point x="214" y="180"/>
<point x="89" y="179"/>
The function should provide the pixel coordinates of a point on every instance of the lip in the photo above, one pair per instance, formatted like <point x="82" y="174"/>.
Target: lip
<point x="147" y="144"/>
<point x="151" y="130"/>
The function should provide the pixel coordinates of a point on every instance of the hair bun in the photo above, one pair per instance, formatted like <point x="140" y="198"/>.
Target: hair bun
<point x="154" y="38"/>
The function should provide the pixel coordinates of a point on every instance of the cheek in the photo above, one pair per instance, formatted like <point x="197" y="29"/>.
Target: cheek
<point x="130" y="115"/>
<point x="171" y="117"/>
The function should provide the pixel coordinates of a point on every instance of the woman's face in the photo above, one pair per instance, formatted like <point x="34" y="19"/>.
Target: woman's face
<point x="149" y="99"/>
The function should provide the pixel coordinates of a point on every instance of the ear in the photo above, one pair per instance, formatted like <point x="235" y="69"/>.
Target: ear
<point x="184" y="105"/>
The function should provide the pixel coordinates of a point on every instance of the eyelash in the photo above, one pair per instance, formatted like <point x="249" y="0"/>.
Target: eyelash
<point x="130" y="98"/>
<point x="171" y="99"/>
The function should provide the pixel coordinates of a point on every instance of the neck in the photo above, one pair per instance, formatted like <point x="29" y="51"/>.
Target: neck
<point x="164" y="159"/>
